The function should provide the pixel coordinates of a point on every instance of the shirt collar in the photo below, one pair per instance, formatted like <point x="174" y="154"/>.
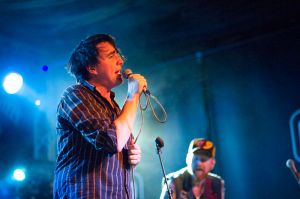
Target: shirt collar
<point x="92" y="87"/>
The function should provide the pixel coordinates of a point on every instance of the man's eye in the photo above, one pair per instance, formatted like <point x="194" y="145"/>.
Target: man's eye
<point x="110" y="56"/>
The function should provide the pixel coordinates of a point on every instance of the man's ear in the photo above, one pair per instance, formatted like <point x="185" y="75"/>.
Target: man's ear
<point x="91" y="69"/>
<point x="213" y="163"/>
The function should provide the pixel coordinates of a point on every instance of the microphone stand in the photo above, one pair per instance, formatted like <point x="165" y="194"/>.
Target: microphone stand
<point x="291" y="165"/>
<point x="159" y="144"/>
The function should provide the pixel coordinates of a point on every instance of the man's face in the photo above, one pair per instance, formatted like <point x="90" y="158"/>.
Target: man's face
<point x="201" y="166"/>
<point x="108" y="69"/>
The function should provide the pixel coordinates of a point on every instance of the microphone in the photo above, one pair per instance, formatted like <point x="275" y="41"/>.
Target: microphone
<point x="159" y="142"/>
<point x="291" y="165"/>
<point x="127" y="73"/>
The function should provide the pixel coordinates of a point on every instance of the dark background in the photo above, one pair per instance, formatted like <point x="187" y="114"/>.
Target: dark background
<point x="225" y="70"/>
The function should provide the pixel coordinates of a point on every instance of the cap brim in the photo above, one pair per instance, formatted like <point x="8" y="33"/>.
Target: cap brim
<point x="201" y="152"/>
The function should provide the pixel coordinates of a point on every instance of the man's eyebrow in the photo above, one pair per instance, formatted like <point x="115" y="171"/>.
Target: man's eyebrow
<point x="111" y="53"/>
<point x="106" y="52"/>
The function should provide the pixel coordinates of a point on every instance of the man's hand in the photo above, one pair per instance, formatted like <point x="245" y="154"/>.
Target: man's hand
<point x="134" y="154"/>
<point x="184" y="195"/>
<point x="136" y="85"/>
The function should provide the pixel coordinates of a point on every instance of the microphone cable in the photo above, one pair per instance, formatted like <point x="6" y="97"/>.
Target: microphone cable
<point x="126" y="73"/>
<point x="160" y="120"/>
<point x="148" y="95"/>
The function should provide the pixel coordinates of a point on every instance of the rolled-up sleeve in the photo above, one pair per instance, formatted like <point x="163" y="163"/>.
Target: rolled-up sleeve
<point x="91" y="117"/>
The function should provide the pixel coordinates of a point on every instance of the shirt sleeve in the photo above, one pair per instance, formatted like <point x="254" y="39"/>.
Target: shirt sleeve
<point x="90" y="118"/>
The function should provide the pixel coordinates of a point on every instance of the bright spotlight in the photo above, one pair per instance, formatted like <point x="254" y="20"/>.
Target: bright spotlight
<point x="13" y="82"/>
<point x="37" y="102"/>
<point x="19" y="175"/>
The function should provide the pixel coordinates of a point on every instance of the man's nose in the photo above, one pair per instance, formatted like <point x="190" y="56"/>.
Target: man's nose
<point x="119" y="66"/>
<point x="120" y="59"/>
<point x="199" y="162"/>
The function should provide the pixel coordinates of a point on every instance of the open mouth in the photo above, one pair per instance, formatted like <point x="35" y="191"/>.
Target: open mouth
<point x="198" y="170"/>
<point x="119" y="76"/>
<point x="118" y="73"/>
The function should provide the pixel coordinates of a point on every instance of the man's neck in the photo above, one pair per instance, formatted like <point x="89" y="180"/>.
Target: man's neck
<point x="104" y="91"/>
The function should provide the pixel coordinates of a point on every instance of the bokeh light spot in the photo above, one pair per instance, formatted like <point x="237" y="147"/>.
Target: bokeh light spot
<point x="19" y="175"/>
<point x="45" y="68"/>
<point x="13" y="82"/>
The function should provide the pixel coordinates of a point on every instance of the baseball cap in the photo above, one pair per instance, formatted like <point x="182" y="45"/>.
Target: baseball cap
<point x="203" y="147"/>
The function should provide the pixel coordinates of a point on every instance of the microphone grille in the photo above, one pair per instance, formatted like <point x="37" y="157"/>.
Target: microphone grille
<point x="127" y="72"/>
<point x="159" y="142"/>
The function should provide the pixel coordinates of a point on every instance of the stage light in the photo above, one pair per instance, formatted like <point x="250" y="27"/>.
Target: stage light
<point x="13" y="82"/>
<point x="19" y="175"/>
<point x="45" y="68"/>
<point x="37" y="102"/>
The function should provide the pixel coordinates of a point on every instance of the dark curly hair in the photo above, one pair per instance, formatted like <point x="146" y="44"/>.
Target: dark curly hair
<point x="86" y="53"/>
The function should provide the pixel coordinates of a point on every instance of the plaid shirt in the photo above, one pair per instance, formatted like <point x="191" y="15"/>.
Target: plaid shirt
<point x="88" y="164"/>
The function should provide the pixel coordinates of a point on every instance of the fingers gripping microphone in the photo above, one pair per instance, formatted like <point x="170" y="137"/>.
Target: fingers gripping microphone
<point x="127" y="73"/>
<point x="291" y="165"/>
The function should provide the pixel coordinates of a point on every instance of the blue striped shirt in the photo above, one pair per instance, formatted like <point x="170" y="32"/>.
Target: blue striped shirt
<point x="88" y="164"/>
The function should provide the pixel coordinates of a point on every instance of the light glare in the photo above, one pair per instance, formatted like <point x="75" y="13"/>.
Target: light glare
<point x="13" y="82"/>
<point x="19" y="175"/>
<point x="37" y="102"/>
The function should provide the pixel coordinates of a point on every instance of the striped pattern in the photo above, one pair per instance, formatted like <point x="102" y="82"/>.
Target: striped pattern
<point x="88" y="165"/>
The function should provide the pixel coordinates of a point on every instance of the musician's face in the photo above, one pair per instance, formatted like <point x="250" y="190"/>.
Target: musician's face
<point x="201" y="166"/>
<point x="107" y="71"/>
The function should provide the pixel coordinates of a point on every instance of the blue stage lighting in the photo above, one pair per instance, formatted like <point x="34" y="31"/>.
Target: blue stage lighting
<point x="45" y="68"/>
<point x="13" y="82"/>
<point x="19" y="175"/>
<point x="37" y="102"/>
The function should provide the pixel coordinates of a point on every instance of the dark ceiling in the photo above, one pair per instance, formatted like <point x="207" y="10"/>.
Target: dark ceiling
<point x="158" y="30"/>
